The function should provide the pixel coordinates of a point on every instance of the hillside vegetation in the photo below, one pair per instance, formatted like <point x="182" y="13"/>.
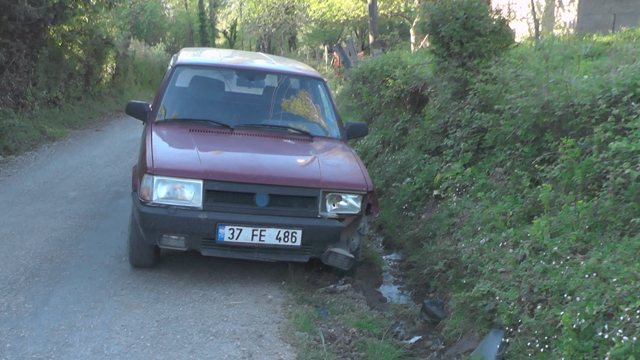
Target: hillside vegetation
<point x="65" y="62"/>
<point x="509" y="175"/>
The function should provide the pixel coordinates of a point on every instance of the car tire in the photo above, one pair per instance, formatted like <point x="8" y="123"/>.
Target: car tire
<point x="141" y="254"/>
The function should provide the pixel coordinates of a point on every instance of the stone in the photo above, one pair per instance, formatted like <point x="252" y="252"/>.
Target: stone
<point x="336" y="289"/>
<point x="432" y="312"/>
<point x="492" y="346"/>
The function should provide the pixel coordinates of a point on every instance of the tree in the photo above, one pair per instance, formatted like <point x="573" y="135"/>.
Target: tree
<point x="232" y="34"/>
<point x="411" y="13"/>
<point x="331" y="20"/>
<point x="191" y="37"/>
<point x="274" y="23"/>
<point x="66" y="38"/>
<point x="213" y="17"/>
<point x="374" y="47"/>
<point x="202" y="20"/>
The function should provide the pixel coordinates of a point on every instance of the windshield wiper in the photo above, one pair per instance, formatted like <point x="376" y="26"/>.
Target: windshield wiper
<point x="220" y="123"/>
<point x="305" y="132"/>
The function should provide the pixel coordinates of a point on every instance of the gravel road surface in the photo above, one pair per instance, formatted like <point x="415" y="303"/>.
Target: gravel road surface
<point x="66" y="288"/>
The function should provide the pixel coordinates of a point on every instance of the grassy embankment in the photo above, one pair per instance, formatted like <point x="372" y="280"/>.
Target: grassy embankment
<point x="326" y="325"/>
<point x="56" y="106"/>
<point x="514" y="189"/>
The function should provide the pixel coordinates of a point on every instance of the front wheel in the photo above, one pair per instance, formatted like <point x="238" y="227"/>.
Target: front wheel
<point x="141" y="254"/>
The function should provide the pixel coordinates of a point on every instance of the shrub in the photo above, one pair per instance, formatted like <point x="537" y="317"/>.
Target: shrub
<point x="465" y="32"/>
<point x="389" y="93"/>
<point x="519" y="201"/>
<point x="464" y="36"/>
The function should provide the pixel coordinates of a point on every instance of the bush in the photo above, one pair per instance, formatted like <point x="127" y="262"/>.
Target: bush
<point x="519" y="201"/>
<point x="465" y="32"/>
<point x="58" y="101"/>
<point x="464" y="36"/>
<point x="389" y="93"/>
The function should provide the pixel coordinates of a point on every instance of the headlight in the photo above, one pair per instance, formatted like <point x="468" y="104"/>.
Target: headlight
<point x="162" y="190"/>
<point x="339" y="203"/>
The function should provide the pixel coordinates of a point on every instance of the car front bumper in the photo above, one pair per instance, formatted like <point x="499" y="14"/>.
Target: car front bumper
<point x="199" y="228"/>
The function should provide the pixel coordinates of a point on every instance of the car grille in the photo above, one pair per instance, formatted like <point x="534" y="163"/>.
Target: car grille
<point x="248" y="199"/>
<point x="228" y="197"/>
<point x="261" y="199"/>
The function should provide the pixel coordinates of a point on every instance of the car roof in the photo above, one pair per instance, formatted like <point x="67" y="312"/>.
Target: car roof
<point x="241" y="59"/>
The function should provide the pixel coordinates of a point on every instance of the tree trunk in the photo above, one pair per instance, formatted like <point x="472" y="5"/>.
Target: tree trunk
<point x="326" y="55"/>
<point x="242" y="37"/>
<point x="212" y="21"/>
<point x="536" y="22"/>
<point x="373" y="27"/>
<point x="186" y="8"/>
<point x="122" y="55"/>
<point x="412" y="37"/>
<point x="414" y="31"/>
<point x="548" y="20"/>
<point x="293" y="41"/>
<point x="359" y="36"/>
<point x="202" y="24"/>
<point x="351" y="48"/>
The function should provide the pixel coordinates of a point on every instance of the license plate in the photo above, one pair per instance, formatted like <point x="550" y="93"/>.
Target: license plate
<point x="254" y="235"/>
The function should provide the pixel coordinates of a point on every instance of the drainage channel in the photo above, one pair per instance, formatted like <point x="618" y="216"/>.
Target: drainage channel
<point x="392" y="284"/>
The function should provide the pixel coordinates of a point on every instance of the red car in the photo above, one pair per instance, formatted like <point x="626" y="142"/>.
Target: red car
<point x="244" y="155"/>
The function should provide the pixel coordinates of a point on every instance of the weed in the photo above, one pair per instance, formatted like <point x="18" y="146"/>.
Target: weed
<point x="337" y="326"/>
<point x="45" y="121"/>
<point x="518" y="201"/>
<point x="382" y="350"/>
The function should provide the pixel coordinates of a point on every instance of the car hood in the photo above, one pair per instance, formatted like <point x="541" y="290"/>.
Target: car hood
<point x="264" y="157"/>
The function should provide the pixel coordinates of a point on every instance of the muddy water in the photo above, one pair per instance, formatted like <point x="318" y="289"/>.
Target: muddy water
<point x="392" y="284"/>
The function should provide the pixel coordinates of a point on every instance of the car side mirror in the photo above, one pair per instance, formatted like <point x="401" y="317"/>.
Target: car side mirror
<point x="356" y="129"/>
<point x="138" y="109"/>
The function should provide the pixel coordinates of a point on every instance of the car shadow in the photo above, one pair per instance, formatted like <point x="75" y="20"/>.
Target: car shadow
<point x="198" y="268"/>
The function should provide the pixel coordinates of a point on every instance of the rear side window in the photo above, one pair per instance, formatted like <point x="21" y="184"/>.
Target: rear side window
<point x="237" y="97"/>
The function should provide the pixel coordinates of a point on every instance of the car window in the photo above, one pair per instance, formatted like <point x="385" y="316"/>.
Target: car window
<point x="241" y="97"/>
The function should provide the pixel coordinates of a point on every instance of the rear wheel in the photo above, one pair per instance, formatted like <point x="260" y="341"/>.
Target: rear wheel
<point x="141" y="254"/>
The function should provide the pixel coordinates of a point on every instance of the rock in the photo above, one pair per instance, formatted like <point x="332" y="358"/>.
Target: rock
<point x="301" y="335"/>
<point x="432" y="311"/>
<point x="323" y="311"/>
<point x="398" y="330"/>
<point x="464" y="346"/>
<point x="336" y="289"/>
<point x="492" y="346"/>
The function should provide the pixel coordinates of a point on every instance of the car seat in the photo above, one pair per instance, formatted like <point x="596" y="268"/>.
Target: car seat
<point x="204" y="99"/>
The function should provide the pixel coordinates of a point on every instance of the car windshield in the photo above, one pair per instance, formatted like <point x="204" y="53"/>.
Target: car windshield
<point x="245" y="98"/>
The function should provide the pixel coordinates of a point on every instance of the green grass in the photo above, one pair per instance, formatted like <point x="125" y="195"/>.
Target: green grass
<point x="371" y="254"/>
<point x="383" y="350"/>
<point x="304" y="321"/>
<point x="374" y="325"/>
<point x="23" y="131"/>
<point x="348" y="316"/>
<point x="519" y="203"/>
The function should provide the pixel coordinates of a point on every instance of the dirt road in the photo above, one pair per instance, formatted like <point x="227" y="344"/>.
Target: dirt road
<point x="66" y="288"/>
